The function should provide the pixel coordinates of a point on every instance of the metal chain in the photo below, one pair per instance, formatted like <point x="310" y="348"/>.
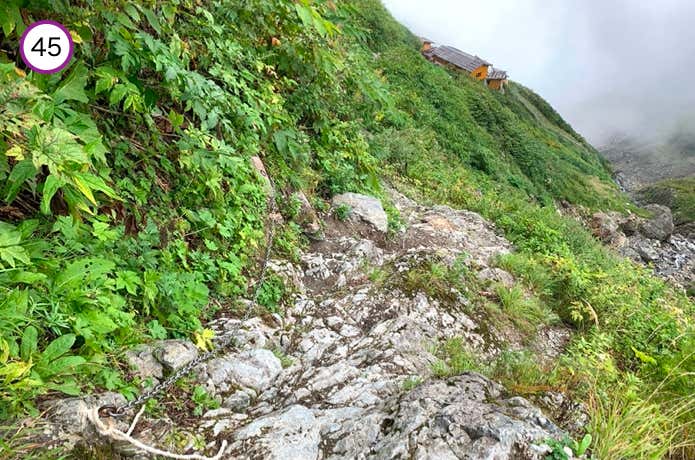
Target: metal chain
<point x="120" y="411"/>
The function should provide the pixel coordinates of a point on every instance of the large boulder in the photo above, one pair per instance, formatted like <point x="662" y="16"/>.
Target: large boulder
<point x="256" y="369"/>
<point x="660" y="226"/>
<point x="174" y="354"/>
<point x="604" y="226"/>
<point x="607" y="227"/>
<point x="630" y="225"/>
<point x="143" y="363"/>
<point x="364" y="207"/>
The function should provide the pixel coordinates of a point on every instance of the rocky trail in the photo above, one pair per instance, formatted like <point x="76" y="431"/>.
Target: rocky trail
<point x="651" y="242"/>
<point x="358" y="355"/>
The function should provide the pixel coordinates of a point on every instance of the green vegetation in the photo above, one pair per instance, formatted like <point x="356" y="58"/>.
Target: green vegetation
<point x="411" y="383"/>
<point x="677" y="194"/>
<point x="128" y="201"/>
<point x="455" y="142"/>
<point x="271" y="292"/>
<point x="203" y="401"/>
<point x="578" y="448"/>
<point x="130" y="208"/>
<point x="520" y="371"/>
<point x="527" y="312"/>
<point x="342" y="212"/>
<point x="436" y="279"/>
<point x="453" y="359"/>
<point x="627" y="428"/>
<point x="285" y="360"/>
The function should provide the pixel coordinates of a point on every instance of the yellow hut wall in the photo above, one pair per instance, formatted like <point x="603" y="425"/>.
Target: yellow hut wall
<point x="480" y="73"/>
<point x="496" y="84"/>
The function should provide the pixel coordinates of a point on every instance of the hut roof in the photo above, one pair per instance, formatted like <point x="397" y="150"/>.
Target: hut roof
<point x="497" y="74"/>
<point x="458" y="58"/>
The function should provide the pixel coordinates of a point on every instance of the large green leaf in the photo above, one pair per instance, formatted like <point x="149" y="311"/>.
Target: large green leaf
<point x="22" y="172"/>
<point x="72" y="89"/>
<point x="56" y="148"/>
<point x="64" y="365"/>
<point x="69" y="387"/>
<point x="50" y="187"/>
<point x="57" y="348"/>
<point x="11" y="250"/>
<point x="11" y="17"/>
<point x="29" y="343"/>
<point x="95" y="183"/>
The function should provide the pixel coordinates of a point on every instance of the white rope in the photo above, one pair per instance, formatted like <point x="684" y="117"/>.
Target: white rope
<point x="114" y="433"/>
<point x="135" y="420"/>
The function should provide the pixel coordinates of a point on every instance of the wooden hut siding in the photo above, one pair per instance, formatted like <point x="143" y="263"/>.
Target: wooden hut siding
<point x="480" y="73"/>
<point x="460" y="60"/>
<point x="495" y="84"/>
<point x="475" y="66"/>
<point x="497" y="79"/>
<point x="426" y="44"/>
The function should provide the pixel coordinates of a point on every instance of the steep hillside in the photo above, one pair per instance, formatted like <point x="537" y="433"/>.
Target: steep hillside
<point x="131" y="212"/>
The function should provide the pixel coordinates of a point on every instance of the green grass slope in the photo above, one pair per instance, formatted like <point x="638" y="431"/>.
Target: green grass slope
<point x="677" y="194"/>
<point x="129" y="210"/>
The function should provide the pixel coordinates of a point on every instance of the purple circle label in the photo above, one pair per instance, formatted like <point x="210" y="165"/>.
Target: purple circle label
<point x="46" y="47"/>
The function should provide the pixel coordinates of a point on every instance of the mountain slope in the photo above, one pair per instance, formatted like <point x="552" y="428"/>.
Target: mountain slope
<point x="131" y="211"/>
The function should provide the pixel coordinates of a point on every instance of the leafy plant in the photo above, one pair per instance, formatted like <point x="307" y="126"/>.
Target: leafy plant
<point x="27" y="372"/>
<point x="527" y="313"/>
<point x="203" y="401"/>
<point x="342" y="212"/>
<point x="568" y="448"/>
<point x="271" y="292"/>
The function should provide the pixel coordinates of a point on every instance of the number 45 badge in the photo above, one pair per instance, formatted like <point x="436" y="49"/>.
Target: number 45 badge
<point x="46" y="47"/>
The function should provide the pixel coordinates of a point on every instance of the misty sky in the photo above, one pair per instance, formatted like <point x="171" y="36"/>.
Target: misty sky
<point x="606" y="65"/>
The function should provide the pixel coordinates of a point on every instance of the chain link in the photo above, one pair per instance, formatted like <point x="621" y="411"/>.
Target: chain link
<point x="120" y="411"/>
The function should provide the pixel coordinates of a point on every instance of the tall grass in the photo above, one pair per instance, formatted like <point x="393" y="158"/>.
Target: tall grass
<point x="637" y="428"/>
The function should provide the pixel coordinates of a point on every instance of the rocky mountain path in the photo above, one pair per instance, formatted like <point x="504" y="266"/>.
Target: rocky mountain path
<point x="346" y="372"/>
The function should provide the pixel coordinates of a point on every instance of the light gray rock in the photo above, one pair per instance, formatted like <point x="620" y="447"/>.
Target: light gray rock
<point x="647" y="251"/>
<point x="291" y="434"/>
<point x="660" y="225"/>
<point x="355" y="339"/>
<point x="364" y="207"/>
<point x="239" y="401"/>
<point x="630" y="253"/>
<point x="497" y="275"/>
<point x="464" y="417"/>
<point x="316" y="342"/>
<point x="141" y="360"/>
<point x="69" y="416"/>
<point x="174" y="354"/>
<point x="255" y="369"/>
